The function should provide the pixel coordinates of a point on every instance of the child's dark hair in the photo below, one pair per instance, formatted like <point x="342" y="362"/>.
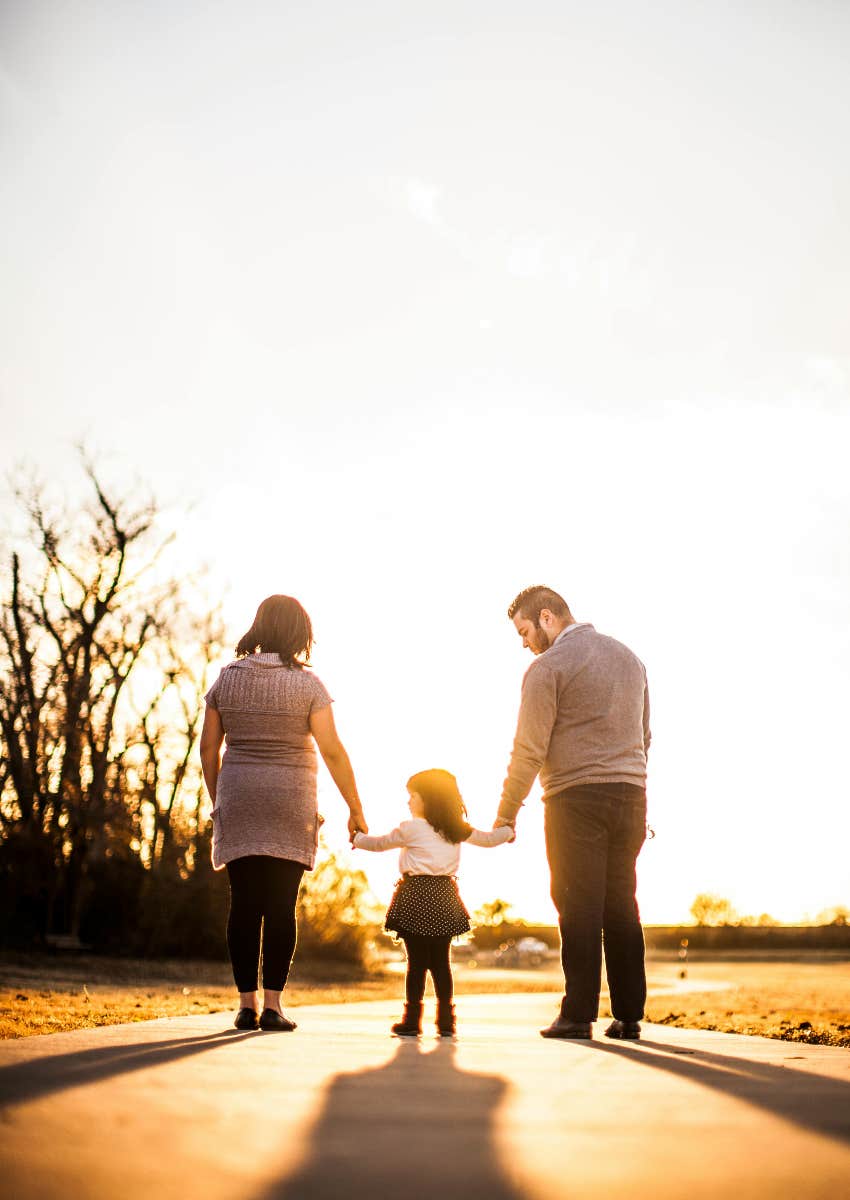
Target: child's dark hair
<point x="445" y="810"/>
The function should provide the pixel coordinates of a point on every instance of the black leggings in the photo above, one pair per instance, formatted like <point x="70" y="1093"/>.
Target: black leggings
<point x="426" y="954"/>
<point x="263" y="891"/>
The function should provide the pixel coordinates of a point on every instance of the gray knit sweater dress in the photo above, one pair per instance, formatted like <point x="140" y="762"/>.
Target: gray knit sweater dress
<point x="265" y="802"/>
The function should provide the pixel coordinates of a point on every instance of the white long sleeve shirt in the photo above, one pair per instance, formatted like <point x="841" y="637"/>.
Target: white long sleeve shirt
<point x="426" y="852"/>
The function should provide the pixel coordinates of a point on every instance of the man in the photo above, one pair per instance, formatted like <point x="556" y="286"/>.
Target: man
<point x="584" y="727"/>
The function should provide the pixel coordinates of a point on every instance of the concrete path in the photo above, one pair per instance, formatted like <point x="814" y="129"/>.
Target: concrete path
<point x="188" y="1107"/>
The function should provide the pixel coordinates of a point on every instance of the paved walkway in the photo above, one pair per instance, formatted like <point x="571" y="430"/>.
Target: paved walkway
<point x="189" y="1108"/>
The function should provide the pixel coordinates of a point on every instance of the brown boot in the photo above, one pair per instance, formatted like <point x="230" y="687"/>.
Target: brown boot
<point x="446" y="1019"/>
<point x="411" y="1023"/>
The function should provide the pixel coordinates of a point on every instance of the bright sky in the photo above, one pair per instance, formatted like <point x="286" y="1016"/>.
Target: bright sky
<point x="419" y="304"/>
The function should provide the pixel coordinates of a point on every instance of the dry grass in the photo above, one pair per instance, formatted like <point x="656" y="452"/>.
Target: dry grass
<point x="46" y="994"/>
<point x="803" y="1000"/>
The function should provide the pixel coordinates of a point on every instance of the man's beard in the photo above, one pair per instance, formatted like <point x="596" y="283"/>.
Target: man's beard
<point x="541" y="639"/>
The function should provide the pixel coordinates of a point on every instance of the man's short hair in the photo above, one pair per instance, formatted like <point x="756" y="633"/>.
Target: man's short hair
<point x="532" y="600"/>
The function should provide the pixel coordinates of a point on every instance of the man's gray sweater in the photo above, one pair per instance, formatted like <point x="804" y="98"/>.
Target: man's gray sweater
<point x="583" y="718"/>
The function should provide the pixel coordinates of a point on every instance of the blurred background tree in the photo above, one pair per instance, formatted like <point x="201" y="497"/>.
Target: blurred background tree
<point x="493" y="912"/>
<point x="708" y="909"/>
<point x="838" y="915"/>
<point x="763" y="920"/>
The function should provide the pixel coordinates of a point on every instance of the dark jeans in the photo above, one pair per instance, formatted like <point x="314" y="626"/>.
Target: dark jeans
<point x="263" y="891"/>
<point x="426" y="954"/>
<point x="593" y="837"/>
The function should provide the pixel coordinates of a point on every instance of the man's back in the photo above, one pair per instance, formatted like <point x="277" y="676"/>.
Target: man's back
<point x="584" y="717"/>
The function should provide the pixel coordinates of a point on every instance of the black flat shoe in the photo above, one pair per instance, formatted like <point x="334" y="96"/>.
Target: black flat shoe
<point x="275" y="1022"/>
<point x="625" y="1030"/>
<point x="569" y="1030"/>
<point x="246" y="1018"/>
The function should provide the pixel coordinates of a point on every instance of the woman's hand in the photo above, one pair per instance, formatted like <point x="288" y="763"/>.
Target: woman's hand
<point x="356" y="823"/>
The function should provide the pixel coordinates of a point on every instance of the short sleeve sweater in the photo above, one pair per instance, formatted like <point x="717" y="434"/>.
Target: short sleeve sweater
<point x="266" y="796"/>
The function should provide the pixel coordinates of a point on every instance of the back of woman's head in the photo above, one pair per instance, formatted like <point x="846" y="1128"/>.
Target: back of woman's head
<point x="443" y="803"/>
<point x="282" y="627"/>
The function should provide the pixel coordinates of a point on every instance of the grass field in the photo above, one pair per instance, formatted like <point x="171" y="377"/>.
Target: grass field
<point x="804" y="999"/>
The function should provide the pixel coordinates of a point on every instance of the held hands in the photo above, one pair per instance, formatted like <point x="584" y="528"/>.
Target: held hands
<point x="356" y="823"/>
<point x="500" y="822"/>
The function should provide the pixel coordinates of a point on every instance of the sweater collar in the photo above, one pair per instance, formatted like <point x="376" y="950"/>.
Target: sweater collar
<point x="571" y="629"/>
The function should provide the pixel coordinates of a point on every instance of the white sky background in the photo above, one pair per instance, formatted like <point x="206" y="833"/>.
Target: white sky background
<point x="420" y="304"/>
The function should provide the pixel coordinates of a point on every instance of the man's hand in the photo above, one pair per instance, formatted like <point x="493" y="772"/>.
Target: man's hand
<point x="501" y="822"/>
<point x="356" y="824"/>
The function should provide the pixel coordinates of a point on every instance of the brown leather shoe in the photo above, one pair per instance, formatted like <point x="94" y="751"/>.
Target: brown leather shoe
<point x="626" y="1030"/>
<point x="569" y="1030"/>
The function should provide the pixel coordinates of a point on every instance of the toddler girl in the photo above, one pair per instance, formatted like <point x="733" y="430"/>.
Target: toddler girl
<point x="426" y="910"/>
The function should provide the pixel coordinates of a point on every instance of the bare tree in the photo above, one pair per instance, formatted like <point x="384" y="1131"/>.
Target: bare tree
<point x="160" y="756"/>
<point x="88" y="609"/>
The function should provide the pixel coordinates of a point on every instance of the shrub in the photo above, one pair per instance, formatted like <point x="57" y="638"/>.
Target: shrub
<point x="337" y="915"/>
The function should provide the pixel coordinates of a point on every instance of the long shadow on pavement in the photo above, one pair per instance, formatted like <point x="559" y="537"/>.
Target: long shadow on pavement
<point x="812" y="1101"/>
<point x="416" y="1127"/>
<point x="39" y="1077"/>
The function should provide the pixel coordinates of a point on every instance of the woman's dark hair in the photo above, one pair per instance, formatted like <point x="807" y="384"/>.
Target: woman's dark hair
<point x="445" y="810"/>
<point x="282" y="627"/>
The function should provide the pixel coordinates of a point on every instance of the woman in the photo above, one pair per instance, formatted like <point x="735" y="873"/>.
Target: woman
<point x="265" y="820"/>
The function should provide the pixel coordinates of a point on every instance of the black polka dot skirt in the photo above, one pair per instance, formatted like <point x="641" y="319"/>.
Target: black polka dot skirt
<point x="427" y="905"/>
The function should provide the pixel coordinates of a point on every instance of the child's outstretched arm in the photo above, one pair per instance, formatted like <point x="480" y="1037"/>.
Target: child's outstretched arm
<point x="494" y="837"/>
<point x="386" y="841"/>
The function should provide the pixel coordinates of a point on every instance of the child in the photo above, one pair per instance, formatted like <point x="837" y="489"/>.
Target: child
<point x="426" y="910"/>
